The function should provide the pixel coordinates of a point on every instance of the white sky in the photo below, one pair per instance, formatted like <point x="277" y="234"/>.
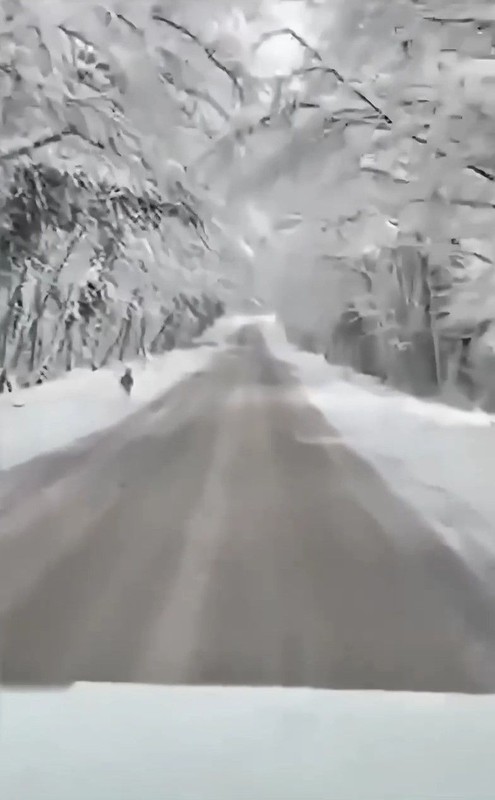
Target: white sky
<point x="282" y="53"/>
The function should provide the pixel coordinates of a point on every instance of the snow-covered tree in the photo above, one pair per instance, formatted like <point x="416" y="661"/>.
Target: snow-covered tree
<point x="376" y="172"/>
<point x="332" y="155"/>
<point x="101" y="230"/>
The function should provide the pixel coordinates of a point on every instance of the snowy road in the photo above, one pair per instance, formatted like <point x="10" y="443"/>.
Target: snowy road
<point x="225" y="534"/>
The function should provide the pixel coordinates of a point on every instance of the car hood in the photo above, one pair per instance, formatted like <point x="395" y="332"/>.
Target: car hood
<point x="130" y="742"/>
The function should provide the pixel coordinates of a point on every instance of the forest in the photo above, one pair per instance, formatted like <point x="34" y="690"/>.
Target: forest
<point x="165" y="161"/>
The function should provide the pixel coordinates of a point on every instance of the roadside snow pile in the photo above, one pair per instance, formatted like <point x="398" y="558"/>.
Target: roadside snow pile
<point x="122" y="742"/>
<point x="51" y="416"/>
<point x="438" y="458"/>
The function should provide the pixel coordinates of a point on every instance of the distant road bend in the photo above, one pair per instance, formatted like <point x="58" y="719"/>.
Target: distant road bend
<point x="226" y="535"/>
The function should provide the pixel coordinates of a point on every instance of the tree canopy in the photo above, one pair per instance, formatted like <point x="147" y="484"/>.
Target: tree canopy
<point x="333" y="157"/>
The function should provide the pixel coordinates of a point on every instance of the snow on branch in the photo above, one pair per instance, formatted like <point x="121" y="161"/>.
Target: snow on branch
<point x="321" y="67"/>
<point x="45" y="141"/>
<point x="209" y="53"/>
<point x="289" y="32"/>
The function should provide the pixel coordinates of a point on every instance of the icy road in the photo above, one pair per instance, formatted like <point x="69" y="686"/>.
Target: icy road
<point x="225" y="534"/>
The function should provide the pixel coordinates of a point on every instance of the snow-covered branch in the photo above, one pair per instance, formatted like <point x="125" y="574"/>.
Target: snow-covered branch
<point x="209" y="53"/>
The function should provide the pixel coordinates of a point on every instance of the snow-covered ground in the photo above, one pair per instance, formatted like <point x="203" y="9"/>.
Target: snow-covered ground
<point x="49" y="417"/>
<point x="440" y="459"/>
<point x="118" y="742"/>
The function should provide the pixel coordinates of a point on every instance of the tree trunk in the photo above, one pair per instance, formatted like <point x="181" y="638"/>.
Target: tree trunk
<point x="127" y="327"/>
<point x="114" y="344"/>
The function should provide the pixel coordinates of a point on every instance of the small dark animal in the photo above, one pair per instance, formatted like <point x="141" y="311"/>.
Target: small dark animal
<point x="127" y="381"/>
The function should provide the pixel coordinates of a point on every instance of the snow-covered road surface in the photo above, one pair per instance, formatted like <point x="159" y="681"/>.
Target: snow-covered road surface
<point x="230" y="536"/>
<point x="80" y="403"/>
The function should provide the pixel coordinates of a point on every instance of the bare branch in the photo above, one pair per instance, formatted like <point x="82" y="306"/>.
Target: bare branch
<point x="332" y="71"/>
<point x="483" y="173"/>
<point x="75" y="35"/>
<point x="210" y="53"/>
<point x="289" y="32"/>
<point x="323" y="67"/>
<point x="208" y="99"/>
<point x="25" y="149"/>
<point x="52" y="138"/>
<point x="128" y="23"/>
<point x="453" y="20"/>
<point x="347" y="84"/>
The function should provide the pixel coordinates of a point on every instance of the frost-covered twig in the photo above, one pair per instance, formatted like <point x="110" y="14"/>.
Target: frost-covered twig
<point x="209" y="53"/>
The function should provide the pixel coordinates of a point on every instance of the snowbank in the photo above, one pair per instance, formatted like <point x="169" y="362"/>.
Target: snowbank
<point x="438" y="458"/>
<point x="52" y="416"/>
<point x="118" y="742"/>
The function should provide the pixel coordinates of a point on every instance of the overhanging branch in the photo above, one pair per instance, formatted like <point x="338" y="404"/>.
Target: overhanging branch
<point x="289" y="32"/>
<point x="25" y="149"/>
<point x="483" y="173"/>
<point x="44" y="141"/>
<point x="336" y="74"/>
<point x="210" y="53"/>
